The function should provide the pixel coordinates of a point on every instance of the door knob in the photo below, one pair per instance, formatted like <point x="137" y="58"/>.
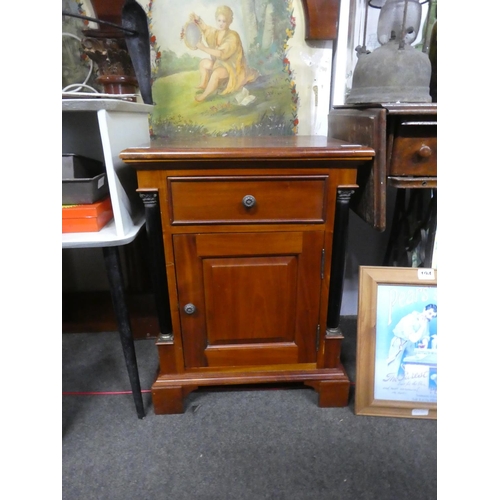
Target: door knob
<point x="248" y="201"/>
<point x="424" y="151"/>
<point x="189" y="308"/>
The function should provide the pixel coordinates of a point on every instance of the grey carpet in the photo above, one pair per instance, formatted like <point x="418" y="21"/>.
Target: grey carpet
<point x="250" y="444"/>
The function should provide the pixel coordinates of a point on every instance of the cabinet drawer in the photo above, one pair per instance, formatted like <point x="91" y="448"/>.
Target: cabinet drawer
<point x="247" y="200"/>
<point x="414" y="151"/>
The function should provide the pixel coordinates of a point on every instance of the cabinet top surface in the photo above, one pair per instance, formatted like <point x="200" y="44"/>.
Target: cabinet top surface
<point x="263" y="148"/>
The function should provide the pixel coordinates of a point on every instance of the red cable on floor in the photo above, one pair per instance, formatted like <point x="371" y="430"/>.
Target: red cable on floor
<point x="102" y="393"/>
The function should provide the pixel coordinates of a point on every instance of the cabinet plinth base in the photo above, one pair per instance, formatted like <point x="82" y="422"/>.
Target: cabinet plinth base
<point x="169" y="391"/>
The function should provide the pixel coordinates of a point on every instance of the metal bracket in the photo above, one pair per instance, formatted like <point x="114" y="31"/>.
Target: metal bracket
<point x="166" y="338"/>
<point x="334" y="332"/>
<point x="323" y="264"/>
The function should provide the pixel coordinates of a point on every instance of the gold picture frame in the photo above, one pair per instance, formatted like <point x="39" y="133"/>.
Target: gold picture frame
<point x="396" y="354"/>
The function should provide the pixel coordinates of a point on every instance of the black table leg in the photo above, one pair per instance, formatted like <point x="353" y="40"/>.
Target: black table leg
<point x="338" y="261"/>
<point x="432" y="227"/>
<point x="413" y="228"/>
<point x="391" y="254"/>
<point x="115" y="277"/>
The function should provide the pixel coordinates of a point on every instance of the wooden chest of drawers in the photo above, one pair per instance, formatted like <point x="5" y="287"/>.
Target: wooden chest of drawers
<point x="413" y="148"/>
<point x="247" y="227"/>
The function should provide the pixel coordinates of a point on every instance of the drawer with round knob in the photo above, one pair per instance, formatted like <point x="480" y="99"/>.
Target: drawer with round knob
<point x="247" y="200"/>
<point x="414" y="151"/>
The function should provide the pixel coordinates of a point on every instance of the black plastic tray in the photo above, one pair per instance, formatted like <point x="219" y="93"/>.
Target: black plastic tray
<point x="84" y="180"/>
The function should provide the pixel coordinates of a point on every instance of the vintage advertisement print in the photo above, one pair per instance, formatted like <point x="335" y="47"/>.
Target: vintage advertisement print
<point x="406" y="344"/>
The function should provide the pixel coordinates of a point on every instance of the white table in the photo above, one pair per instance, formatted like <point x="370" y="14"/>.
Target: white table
<point x="101" y="129"/>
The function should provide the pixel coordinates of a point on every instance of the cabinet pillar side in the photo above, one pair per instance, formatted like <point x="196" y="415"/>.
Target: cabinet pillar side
<point x="170" y="351"/>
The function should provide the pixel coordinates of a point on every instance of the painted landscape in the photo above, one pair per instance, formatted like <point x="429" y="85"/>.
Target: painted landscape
<point x="264" y="105"/>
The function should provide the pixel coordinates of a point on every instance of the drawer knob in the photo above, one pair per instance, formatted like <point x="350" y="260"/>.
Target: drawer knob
<point x="424" y="151"/>
<point x="248" y="201"/>
<point x="189" y="308"/>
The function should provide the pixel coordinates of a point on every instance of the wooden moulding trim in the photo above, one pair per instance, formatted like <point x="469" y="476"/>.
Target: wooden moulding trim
<point x="238" y="378"/>
<point x="412" y="182"/>
<point x="163" y="160"/>
<point x="163" y="156"/>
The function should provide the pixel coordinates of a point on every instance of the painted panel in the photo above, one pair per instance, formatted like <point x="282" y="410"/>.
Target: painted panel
<point x="260" y="77"/>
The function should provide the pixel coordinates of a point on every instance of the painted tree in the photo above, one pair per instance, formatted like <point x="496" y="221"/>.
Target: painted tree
<point x="250" y="19"/>
<point x="268" y="27"/>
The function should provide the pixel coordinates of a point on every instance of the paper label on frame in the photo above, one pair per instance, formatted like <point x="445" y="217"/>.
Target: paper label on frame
<point x="420" y="413"/>
<point x="426" y="274"/>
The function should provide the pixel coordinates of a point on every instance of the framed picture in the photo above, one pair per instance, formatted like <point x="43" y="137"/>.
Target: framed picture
<point x="396" y="357"/>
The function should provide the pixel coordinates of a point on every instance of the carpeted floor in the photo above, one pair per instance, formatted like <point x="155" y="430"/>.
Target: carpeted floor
<point x="251" y="444"/>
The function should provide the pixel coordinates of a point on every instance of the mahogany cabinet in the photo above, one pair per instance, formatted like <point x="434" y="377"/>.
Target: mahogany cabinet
<point x="248" y="238"/>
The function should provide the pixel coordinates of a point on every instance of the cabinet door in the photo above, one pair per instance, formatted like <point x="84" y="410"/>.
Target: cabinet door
<point x="256" y="297"/>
